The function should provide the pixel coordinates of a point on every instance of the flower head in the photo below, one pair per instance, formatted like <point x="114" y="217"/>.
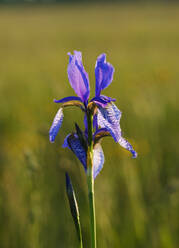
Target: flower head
<point x="106" y="115"/>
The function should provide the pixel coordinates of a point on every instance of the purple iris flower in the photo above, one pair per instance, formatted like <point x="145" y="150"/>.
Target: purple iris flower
<point x="106" y="119"/>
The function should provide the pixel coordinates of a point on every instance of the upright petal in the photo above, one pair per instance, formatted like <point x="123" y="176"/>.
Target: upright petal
<point x="76" y="147"/>
<point x="98" y="159"/>
<point x="103" y="73"/>
<point x="124" y="143"/>
<point x="109" y="118"/>
<point x="78" y="77"/>
<point x="57" y="122"/>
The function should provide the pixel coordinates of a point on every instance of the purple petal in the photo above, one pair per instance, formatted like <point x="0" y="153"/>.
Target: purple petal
<point x="95" y="122"/>
<point x="109" y="118"/>
<point x="65" y="143"/>
<point x="124" y="143"/>
<point x="75" y="145"/>
<point x="102" y="100"/>
<point x="78" y="77"/>
<point x="99" y="131"/>
<point x="103" y="73"/>
<point x="67" y="99"/>
<point x="57" y="122"/>
<point x="98" y="159"/>
<point x="86" y="125"/>
<point x="107" y="98"/>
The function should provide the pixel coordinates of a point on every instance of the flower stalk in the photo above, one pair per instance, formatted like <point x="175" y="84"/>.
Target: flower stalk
<point x="90" y="179"/>
<point x="101" y="114"/>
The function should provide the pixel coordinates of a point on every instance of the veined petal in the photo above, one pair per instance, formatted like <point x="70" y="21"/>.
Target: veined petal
<point x="103" y="73"/>
<point x="78" y="77"/>
<point x="67" y="99"/>
<point x="109" y="118"/>
<point x="98" y="159"/>
<point x="124" y="143"/>
<point x="57" y="122"/>
<point x="76" y="147"/>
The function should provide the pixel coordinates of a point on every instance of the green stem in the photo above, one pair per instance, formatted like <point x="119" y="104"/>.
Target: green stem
<point x="90" y="180"/>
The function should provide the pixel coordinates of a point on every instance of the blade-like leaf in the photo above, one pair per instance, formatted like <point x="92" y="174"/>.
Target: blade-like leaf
<point x="73" y="207"/>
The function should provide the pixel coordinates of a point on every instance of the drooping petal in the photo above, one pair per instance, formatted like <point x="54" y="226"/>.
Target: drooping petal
<point x="78" y="77"/>
<point x="57" y="122"/>
<point x="103" y="73"/>
<point x="109" y="118"/>
<point x="98" y="159"/>
<point x="124" y="143"/>
<point x="67" y="99"/>
<point x="75" y="145"/>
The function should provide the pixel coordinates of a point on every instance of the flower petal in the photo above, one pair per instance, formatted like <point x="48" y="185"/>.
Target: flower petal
<point x="76" y="147"/>
<point x="78" y="77"/>
<point x="86" y="125"/>
<point x="81" y="137"/>
<point x="95" y="122"/>
<point x="99" y="134"/>
<point x="98" y="159"/>
<point x="109" y="118"/>
<point x="103" y="73"/>
<point x="124" y="143"/>
<point x="65" y="143"/>
<point x="102" y="100"/>
<point x="67" y="99"/>
<point x="57" y="122"/>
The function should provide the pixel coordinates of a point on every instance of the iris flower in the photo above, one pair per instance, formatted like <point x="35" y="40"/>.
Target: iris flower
<point x="106" y="115"/>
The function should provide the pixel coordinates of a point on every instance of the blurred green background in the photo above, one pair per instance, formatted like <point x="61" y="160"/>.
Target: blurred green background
<point x="137" y="201"/>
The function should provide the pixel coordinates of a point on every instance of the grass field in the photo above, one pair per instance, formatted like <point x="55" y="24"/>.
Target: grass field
<point x="137" y="201"/>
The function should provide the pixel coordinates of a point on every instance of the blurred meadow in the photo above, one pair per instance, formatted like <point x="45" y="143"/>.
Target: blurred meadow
<point x="137" y="201"/>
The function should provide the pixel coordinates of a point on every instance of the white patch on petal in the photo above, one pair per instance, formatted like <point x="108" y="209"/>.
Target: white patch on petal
<point x="98" y="159"/>
<point x="124" y="143"/>
<point x="57" y="122"/>
<point x="109" y="118"/>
